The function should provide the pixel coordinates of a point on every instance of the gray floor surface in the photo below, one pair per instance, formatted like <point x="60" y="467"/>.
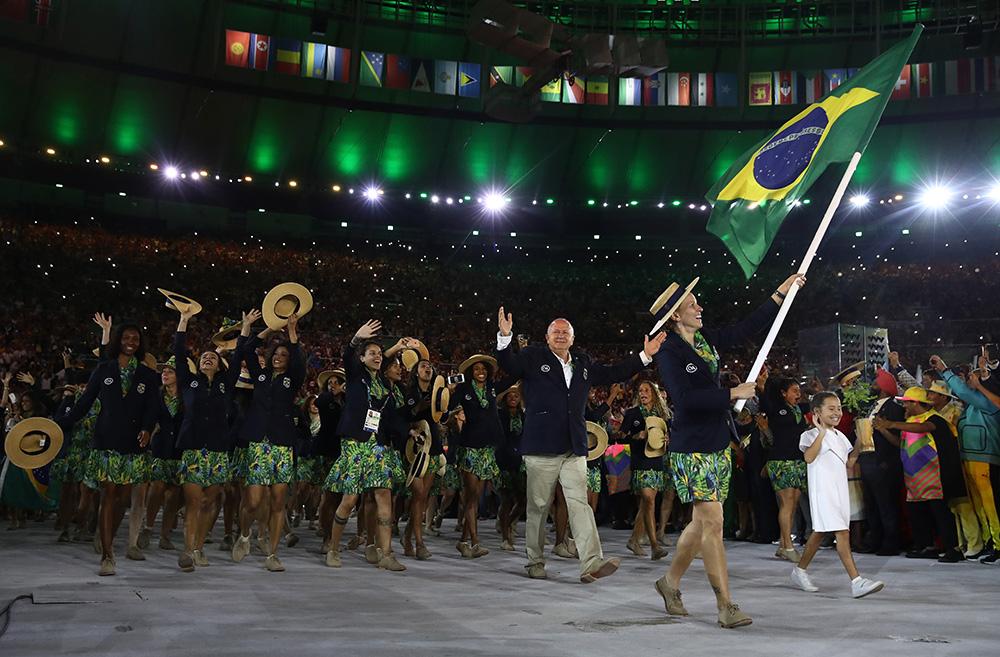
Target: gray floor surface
<point x="450" y="606"/>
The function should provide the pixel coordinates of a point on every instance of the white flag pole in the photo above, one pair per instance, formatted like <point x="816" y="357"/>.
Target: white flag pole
<point x="758" y="364"/>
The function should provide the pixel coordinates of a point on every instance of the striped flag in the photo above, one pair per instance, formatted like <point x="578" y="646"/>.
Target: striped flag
<point x="423" y="69"/>
<point x="286" y="55"/>
<point x="597" y="90"/>
<point x="923" y="80"/>
<point x="552" y="92"/>
<point x="521" y="75"/>
<point x="726" y="90"/>
<point x="834" y="78"/>
<point x="445" y="77"/>
<point x="760" y="88"/>
<point x="397" y="72"/>
<point x="372" y="68"/>
<point x="654" y="90"/>
<point x="501" y="74"/>
<point x="679" y="89"/>
<point x="958" y="76"/>
<point x="338" y="64"/>
<point x="902" y="90"/>
<point x="810" y="87"/>
<point x="314" y="60"/>
<point x="785" y="91"/>
<point x="260" y="56"/>
<point x="469" y="79"/>
<point x="574" y="90"/>
<point x="984" y="74"/>
<point x="630" y="92"/>
<point x="237" y="48"/>
<point x="705" y="90"/>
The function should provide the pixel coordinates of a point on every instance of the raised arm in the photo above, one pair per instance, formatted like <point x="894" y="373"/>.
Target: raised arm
<point x="506" y="358"/>
<point x="296" y="360"/>
<point x="86" y="400"/>
<point x="352" y="366"/>
<point x="757" y="321"/>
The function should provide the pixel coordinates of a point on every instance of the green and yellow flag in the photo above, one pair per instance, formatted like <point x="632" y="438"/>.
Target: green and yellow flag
<point x="761" y="187"/>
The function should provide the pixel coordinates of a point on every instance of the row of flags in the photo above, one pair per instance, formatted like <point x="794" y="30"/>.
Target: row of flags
<point x="928" y="80"/>
<point x="38" y="12"/>
<point x="391" y="71"/>
<point x="324" y="62"/>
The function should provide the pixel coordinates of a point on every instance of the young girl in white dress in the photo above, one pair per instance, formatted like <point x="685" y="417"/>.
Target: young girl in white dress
<point x="828" y="455"/>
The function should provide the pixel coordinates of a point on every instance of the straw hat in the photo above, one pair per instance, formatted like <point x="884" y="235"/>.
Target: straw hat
<point x="844" y="377"/>
<point x="172" y="364"/>
<point x="225" y="337"/>
<point x="244" y="381"/>
<point x="440" y="398"/>
<point x="33" y="443"/>
<point x="283" y="300"/>
<point x="489" y="361"/>
<point x="941" y="388"/>
<point x="514" y="388"/>
<point x="656" y="437"/>
<point x="597" y="440"/>
<point x="413" y="354"/>
<point x="418" y="452"/>
<point x="915" y="394"/>
<point x="324" y="377"/>
<point x="180" y="302"/>
<point x="667" y="303"/>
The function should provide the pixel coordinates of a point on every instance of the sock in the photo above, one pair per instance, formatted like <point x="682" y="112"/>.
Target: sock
<point x="856" y="579"/>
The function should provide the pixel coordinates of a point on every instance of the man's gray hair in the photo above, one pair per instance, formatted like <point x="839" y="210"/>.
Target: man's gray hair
<point x="560" y="319"/>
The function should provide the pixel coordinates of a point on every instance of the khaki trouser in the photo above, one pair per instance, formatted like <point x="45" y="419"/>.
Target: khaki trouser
<point x="569" y="470"/>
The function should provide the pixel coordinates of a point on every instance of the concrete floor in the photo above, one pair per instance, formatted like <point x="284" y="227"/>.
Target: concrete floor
<point x="449" y="606"/>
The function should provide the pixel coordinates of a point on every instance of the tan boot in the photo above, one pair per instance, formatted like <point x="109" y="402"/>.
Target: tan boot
<point x="333" y="558"/>
<point x="185" y="562"/>
<point x="423" y="554"/>
<point x="730" y="616"/>
<point x="671" y="597"/>
<point x="465" y="549"/>
<point x="134" y="553"/>
<point x="241" y="548"/>
<point x="479" y="551"/>
<point x="273" y="564"/>
<point x="372" y="554"/>
<point x="389" y="562"/>
<point x="200" y="559"/>
<point x="107" y="567"/>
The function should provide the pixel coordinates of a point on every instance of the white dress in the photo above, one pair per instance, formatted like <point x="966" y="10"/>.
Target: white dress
<point x="829" y="496"/>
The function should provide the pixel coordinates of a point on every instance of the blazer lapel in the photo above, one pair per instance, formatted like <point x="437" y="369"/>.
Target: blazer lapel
<point x="687" y="352"/>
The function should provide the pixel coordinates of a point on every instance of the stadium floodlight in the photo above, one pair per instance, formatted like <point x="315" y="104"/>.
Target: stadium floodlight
<point x="859" y="200"/>
<point x="935" y="197"/>
<point x="372" y="193"/>
<point x="494" y="201"/>
<point x="171" y="173"/>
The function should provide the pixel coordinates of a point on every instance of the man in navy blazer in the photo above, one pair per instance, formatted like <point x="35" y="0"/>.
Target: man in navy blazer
<point x="555" y="384"/>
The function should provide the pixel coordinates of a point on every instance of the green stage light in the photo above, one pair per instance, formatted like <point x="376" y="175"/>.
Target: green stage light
<point x="675" y="203"/>
<point x="550" y="201"/>
<point x="423" y="194"/>
<point x="590" y="201"/>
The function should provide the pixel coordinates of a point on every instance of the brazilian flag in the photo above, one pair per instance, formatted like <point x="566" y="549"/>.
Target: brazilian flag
<point x="752" y="199"/>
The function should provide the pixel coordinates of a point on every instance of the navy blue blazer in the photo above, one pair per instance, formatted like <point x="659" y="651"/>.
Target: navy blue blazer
<point x="554" y="414"/>
<point x="702" y="419"/>
<point x="164" y="442"/>
<point x="121" y="418"/>
<point x="418" y="407"/>
<point x="482" y="425"/>
<point x="327" y="442"/>
<point x="632" y="424"/>
<point x="357" y="399"/>
<point x="206" y="406"/>
<point x="508" y="453"/>
<point x="272" y="410"/>
<point x="785" y="429"/>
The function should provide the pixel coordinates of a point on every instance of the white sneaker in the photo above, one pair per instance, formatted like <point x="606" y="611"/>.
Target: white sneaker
<point x="861" y="586"/>
<point x="800" y="578"/>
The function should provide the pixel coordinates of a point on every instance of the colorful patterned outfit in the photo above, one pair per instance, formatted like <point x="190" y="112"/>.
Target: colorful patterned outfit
<point x="364" y="466"/>
<point x="73" y="466"/>
<point x="480" y="462"/>
<point x="921" y="467"/>
<point x="107" y="465"/>
<point x="594" y="478"/>
<point x="267" y="464"/>
<point x="788" y="474"/>
<point x="700" y="477"/>
<point x="204" y="468"/>
<point x="166" y="470"/>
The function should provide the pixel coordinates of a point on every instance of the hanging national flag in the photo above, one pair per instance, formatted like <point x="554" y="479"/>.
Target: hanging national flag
<point x="552" y="92"/>
<point x="372" y="68"/>
<point x="923" y="80"/>
<point x="984" y="74"/>
<point x="851" y="72"/>
<point x="237" y="48"/>
<point x="957" y="77"/>
<point x="704" y="90"/>
<point x="338" y="64"/>
<point x="521" y="75"/>
<point x="445" y="77"/>
<point x="902" y="89"/>
<point x="810" y="87"/>
<point x="314" y="60"/>
<point x="397" y="72"/>
<point x="260" y="55"/>
<point x="43" y="12"/>
<point x="597" y="90"/>
<point x="784" y="88"/>
<point x="629" y="92"/>
<point x="679" y="89"/>
<point x="726" y="91"/>
<point x="761" y="187"/>
<point x="468" y="79"/>
<point x="574" y="89"/>
<point x="834" y="78"/>
<point x="501" y="74"/>
<point x="286" y="55"/>
<point x="654" y="90"/>
<point x="423" y="69"/>
<point x="760" y="88"/>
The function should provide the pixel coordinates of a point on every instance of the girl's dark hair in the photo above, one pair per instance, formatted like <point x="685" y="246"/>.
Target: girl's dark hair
<point x="115" y="346"/>
<point x="39" y="405"/>
<point x="820" y="398"/>
<point x="367" y="343"/>
<point x="270" y="352"/>
<point x="387" y="362"/>
<point x="413" y="385"/>
<point x="786" y="383"/>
